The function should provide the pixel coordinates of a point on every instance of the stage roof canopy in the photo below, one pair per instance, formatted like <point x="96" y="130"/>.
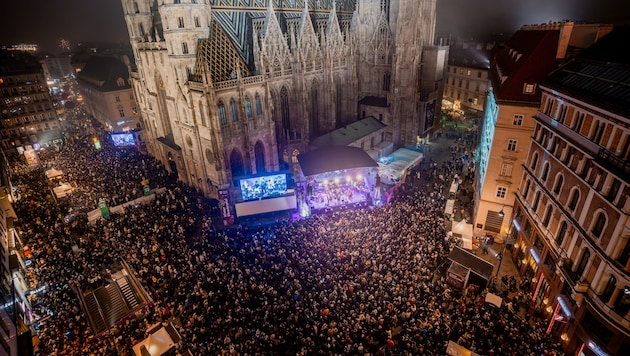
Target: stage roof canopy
<point x="334" y="158"/>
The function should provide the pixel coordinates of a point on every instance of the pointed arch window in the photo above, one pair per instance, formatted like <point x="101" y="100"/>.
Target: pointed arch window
<point x="314" y="110"/>
<point x="259" y="154"/>
<point x="387" y="77"/>
<point x="258" y="105"/>
<point x="284" y="109"/>
<point x="248" y="107"/>
<point x="222" y="114"/>
<point x="233" y="111"/>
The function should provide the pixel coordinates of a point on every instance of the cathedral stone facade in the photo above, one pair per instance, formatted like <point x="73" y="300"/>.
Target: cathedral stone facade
<point x="231" y="88"/>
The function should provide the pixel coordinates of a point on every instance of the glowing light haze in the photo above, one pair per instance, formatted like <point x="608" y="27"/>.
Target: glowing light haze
<point x="46" y="21"/>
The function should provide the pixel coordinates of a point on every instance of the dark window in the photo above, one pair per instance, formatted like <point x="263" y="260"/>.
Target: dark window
<point x="610" y="288"/>
<point x="558" y="186"/>
<point x="547" y="216"/>
<point x="222" y="114"/>
<point x="575" y="198"/>
<point x="600" y="222"/>
<point x="545" y="172"/>
<point x="233" y="111"/>
<point x="258" y="105"/>
<point x="534" y="162"/>
<point x="614" y="189"/>
<point x="248" y="108"/>
<point x="536" y="201"/>
<point x="562" y="233"/>
<point x="526" y="191"/>
<point x="386" y="81"/>
<point x="625" y="253"/>
<point x="583" y="262"/>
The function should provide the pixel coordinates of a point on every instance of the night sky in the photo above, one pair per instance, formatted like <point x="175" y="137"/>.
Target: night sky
<point x="46" y="21"/>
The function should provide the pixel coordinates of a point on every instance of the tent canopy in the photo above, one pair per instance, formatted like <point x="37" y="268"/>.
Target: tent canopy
<point x="334" y="158"/>
<point x="476" y="264"/>
<point x="159" y="342"/>
<point x="53" y="173"/>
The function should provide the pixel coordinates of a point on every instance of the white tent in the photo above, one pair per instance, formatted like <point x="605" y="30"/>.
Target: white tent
<point x="62" y="190"/>
<point x="157" y="343"/>
<point x="494" y="300"/>
<point x="448" y="210"/>
<point x="53" y="173"/>
<point x="466" y="232"/>
<point x="454" y="349"/>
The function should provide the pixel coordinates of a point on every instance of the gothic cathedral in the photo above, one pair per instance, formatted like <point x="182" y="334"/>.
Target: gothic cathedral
<point x="230" y="88"/>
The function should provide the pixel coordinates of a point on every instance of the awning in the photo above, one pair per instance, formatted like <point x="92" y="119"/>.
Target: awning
<point x="334" y="158"/>
<point x="476" y="264"/>
<point x="159" y="342"/>
<point x="494" y="300"/>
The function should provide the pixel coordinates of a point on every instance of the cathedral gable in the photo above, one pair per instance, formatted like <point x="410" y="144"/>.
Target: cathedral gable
<point x="334" y="37"/>
<point x="274" y="47"/>
<point x="308" y="42"/>
<point x="380" y="46"/>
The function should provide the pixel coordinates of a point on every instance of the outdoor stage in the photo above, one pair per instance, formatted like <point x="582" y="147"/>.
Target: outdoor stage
<point x="340" y="188"/>
<point x="336" y="177"/>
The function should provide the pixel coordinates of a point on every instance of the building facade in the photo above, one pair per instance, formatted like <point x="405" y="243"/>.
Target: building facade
<point x="517" y="68"/>
<point x="572" y="208"/>
<point x="232" y="88"/>
<point x="28" y="117"/>
<point x="107" y="93"/>
<point x="467" y="79"/>
<point x="15" y="309"/>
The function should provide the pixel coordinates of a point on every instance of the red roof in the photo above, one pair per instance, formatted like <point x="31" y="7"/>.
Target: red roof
<point x="526" y="58"/>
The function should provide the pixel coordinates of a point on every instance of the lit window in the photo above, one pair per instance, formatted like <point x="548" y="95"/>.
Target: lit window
<point x="529" y="88"/>
<point x="468" y="72"/>
<point x="512" y="145"/>
<point x="501" y="192"/>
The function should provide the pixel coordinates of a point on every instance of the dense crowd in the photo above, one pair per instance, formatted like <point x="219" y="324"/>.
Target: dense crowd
<point x="357" y="281"/>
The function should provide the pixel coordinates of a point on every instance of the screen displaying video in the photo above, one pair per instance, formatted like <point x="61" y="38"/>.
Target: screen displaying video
<point x="263" y="187"/>
<point x="123" y="139"/>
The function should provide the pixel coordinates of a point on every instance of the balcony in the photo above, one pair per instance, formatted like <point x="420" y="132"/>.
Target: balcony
<point x="608" y="160"/>
<point x="573" y="137"/>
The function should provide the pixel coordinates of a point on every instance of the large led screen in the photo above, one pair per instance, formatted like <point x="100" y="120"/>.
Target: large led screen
<point x="123" y="139"/>
<point x="263" y="187"/>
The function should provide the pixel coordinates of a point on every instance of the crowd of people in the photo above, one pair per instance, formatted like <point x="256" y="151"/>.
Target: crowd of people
<point x="355" y="281"/>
